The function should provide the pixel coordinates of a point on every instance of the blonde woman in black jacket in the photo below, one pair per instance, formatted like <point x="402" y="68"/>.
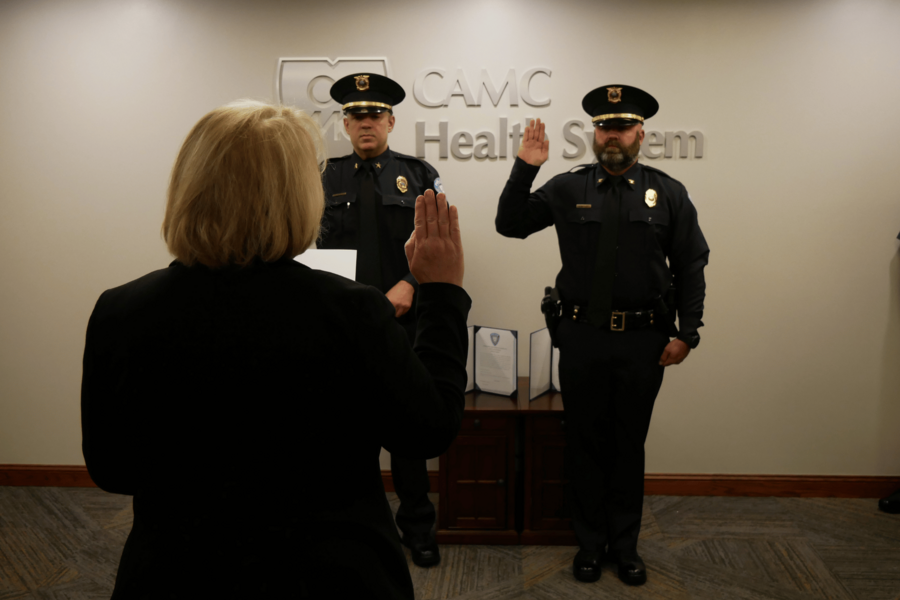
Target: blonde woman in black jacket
<point x="243" y="398"/>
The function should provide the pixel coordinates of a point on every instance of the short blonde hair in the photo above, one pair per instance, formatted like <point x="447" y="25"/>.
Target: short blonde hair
<point x="246" y="185"/>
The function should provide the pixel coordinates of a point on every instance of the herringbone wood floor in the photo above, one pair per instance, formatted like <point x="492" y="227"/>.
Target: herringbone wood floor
<point x="64" y="544"/>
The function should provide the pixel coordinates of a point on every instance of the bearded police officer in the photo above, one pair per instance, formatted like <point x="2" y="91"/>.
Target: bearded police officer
<point x="370" y="199"/>
<point x="618" y="224"/>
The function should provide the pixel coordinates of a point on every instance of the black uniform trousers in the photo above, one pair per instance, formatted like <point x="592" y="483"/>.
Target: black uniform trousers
<point x="609" y="383"/>
<point x="416" y="514"/>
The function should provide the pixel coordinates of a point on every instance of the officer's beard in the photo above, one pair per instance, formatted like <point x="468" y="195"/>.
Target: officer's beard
<point x="616" y="157"/>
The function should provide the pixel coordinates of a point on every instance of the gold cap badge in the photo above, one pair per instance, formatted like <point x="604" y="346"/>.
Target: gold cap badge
<point x="362" y="82"/>
<point x="650" y="198"/>
<point x="614" y="94"/>
<point x="402" y="185"/>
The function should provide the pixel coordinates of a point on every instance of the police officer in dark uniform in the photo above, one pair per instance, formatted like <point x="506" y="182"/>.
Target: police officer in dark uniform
<point x="629" y="241"/>
<point x="370" y="199"/>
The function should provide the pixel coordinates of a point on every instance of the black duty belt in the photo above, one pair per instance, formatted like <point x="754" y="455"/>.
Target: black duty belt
<point x="624" y="320"/>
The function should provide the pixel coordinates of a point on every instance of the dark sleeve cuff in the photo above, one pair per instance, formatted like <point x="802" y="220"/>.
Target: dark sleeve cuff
<point x="408" y="278"/>
<point x="523" y="173"/>
<point x="691" y="339"/>
<point x="444" y="293"/>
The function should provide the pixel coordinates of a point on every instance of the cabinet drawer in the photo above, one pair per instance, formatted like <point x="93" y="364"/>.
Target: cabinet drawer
<point x="550" y="424"/>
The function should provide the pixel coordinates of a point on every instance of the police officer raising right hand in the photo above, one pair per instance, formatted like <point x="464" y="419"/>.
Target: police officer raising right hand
<point x="627" y="232"/>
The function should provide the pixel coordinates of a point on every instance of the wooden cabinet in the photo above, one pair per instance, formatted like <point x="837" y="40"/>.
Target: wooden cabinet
<point x="504" y="442"/>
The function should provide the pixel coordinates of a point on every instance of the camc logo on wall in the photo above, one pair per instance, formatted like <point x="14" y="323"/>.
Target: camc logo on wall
<point x="305" y="83"/>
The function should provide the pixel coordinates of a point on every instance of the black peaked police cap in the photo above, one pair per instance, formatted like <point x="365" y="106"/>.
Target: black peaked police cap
<point x="619" y="105"/>
<point x="367" y="93"/>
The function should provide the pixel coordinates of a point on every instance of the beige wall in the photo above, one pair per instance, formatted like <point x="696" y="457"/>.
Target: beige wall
<point x="798" y="368"/>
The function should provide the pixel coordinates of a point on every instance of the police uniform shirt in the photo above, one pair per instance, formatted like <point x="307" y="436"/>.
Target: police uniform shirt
<point x="647" y="236"/>
<point x="399" y="179"/>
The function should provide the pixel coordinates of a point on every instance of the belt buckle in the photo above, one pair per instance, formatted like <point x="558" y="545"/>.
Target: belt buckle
<point x="612" y="321"/>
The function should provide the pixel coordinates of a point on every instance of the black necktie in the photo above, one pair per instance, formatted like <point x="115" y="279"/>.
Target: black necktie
<point x="600" y="307"/>
<point x="368" y="253"/>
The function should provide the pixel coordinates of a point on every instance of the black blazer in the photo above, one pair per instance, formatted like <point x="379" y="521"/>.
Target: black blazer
<point x="245" y="409"/>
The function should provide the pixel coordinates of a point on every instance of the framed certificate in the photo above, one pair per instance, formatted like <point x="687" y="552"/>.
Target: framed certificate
<point x="493" y="362"/>
<point x="543" y="366"/>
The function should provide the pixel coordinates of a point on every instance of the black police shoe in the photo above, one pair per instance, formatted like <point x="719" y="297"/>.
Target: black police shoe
<point x="631" y="567"/>
<point x="891" y="504"/>
<point x="424" y="549"/>
<point x="586" y="566"/>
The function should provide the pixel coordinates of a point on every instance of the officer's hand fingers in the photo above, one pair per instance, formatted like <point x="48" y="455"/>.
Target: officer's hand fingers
<point x="455" y="235"/>
<point x="529" y="132"/>
<point x="443" y="217"/>
<point x="431" y="215"/>
<point x="664" y="359"/>
<point x="540" y="131"/>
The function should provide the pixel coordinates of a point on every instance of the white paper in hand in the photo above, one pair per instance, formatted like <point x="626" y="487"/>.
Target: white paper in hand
<point x="339" y="262"/>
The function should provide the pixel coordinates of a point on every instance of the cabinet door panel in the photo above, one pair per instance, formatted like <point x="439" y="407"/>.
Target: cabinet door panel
<point x="548" y="481"/>
<point x="477" y="474"/>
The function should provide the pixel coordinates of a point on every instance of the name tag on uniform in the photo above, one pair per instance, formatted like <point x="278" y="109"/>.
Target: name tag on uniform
<point x="582" y="206"/>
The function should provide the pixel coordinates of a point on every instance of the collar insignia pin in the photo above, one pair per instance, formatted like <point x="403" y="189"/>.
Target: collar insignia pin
<point x="362" y="82"/>
<point x="378" y="165"/>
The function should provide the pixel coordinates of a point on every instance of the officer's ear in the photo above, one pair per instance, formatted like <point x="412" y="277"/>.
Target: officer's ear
<point x="390" y="121"/>
<point x="641" y="131"/>
<point x="346" y="122"/>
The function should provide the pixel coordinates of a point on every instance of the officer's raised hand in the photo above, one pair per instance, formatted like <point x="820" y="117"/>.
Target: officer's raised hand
<point x="434" y="249"/>
<point x="534" y="149"/>
<point x="675" y="352"/>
